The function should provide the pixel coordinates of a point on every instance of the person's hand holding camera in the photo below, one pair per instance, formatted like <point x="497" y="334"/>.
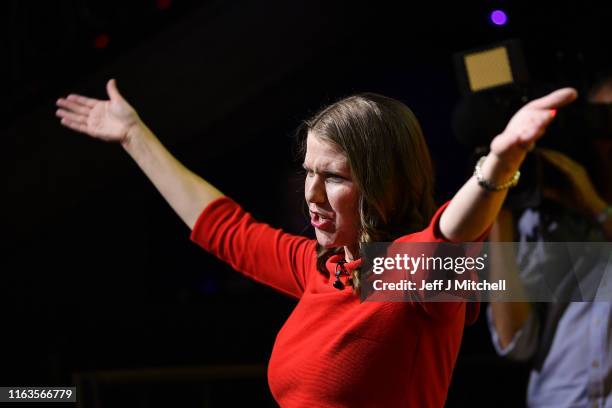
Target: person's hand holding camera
<point x="580" y="193"/>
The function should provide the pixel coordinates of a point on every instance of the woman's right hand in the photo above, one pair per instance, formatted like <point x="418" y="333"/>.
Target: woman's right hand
<point x="110" y="120"/>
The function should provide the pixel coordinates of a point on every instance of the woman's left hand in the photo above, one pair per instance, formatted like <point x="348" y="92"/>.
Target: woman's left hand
<point x="528" y="125"/>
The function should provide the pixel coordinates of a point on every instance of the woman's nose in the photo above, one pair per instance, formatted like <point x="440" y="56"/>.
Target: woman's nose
<point x="314" y="189"/>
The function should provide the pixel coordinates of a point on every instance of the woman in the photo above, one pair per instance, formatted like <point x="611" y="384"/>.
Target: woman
<point x="369" y="178"/>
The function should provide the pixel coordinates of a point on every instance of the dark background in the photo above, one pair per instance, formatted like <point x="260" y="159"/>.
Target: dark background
<point x="98" y="276"/>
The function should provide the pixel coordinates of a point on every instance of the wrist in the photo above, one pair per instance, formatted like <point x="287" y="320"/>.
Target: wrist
<point x="498" y="170"/>
<point x="494" y="174"/>
<point x="135" y="133"/>
<point x="601" y="212"/>
<point x="596" y="207"/>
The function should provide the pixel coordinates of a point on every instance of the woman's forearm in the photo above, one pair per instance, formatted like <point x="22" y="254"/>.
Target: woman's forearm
<point x="473" y="209"/>
<point x="186" y="192"/>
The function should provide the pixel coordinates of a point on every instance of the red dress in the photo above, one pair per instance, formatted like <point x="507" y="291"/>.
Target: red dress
<point x="334" y="351"/>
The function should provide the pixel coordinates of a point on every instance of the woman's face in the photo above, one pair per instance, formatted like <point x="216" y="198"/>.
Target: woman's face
<point x="331" y="194"/>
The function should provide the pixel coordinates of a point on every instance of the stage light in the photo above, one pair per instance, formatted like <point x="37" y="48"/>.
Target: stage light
<point x="499" y="17"/>
<point x="101" y="40"/>
<point x="489" y="67"/>
<point x="163" y="4"/>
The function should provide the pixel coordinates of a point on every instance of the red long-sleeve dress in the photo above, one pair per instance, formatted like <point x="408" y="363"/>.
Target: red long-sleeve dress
<point x="334" y="351"/>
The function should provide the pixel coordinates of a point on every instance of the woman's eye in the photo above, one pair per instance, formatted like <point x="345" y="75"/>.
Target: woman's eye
<point x="334" y="179"/>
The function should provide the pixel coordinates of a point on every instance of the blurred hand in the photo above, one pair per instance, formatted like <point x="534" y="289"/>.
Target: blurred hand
<point x="580" y="193"/>
<point x="109" y="120"/>
<point x="528" y="125"/>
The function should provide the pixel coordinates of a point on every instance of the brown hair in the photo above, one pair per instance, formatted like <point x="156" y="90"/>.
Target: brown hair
<point x="389" y="162"/>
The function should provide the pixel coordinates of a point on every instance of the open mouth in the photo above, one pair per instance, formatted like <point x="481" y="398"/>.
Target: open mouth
<point x="320" y="222"/>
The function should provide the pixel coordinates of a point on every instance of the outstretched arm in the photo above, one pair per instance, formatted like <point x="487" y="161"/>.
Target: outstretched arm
<point x="263" y="253"/>
<point x="114" y="120"/>
<point x="473" y="209"/>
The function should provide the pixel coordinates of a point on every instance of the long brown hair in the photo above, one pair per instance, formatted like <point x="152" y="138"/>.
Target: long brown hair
<point x="389" y="162"/>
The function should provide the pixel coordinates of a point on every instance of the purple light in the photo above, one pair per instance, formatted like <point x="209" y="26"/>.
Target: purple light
<point x="498" y="17"/>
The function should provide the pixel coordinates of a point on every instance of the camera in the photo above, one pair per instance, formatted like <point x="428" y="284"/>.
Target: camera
<point x="495" y="84"/>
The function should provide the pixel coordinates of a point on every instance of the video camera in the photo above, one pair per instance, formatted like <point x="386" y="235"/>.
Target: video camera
<point x="494" y="83"/>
